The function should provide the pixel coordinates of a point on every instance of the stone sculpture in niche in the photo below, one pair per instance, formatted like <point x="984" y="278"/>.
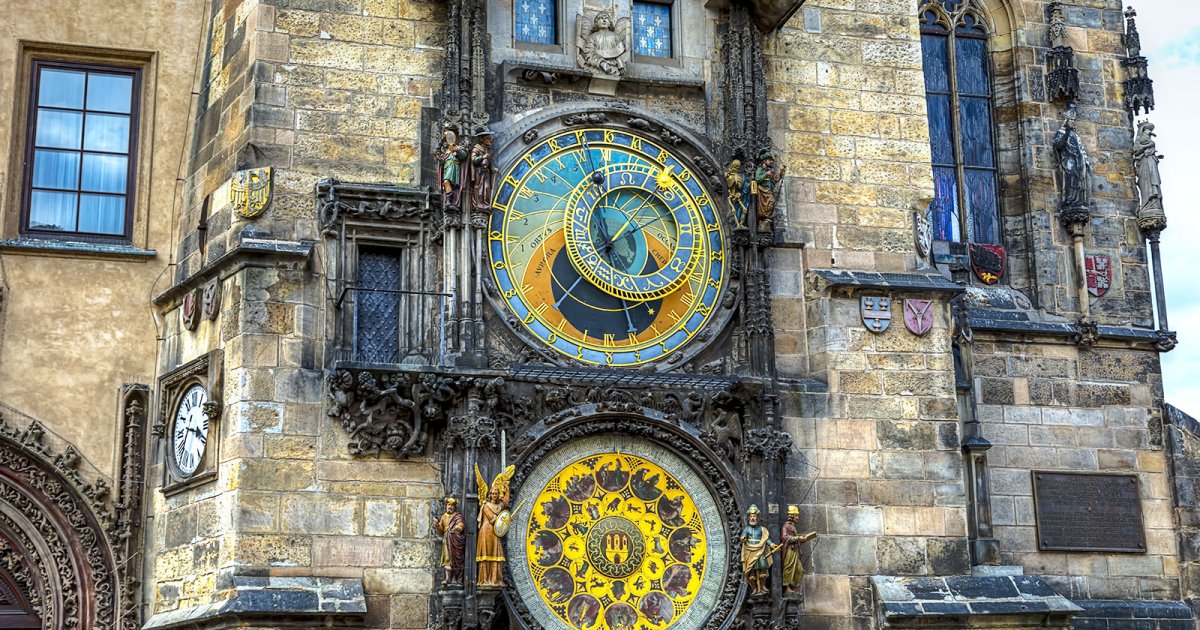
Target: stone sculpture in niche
<point x="1075" y="166"/>
<point x="757" y="553"/>
<point x="739" y="193"/>
<point x="450" y="157"/>
<point x="604" y="41"/>
<point x="793" y="559"/>
<point x="450" y="526"/>
<point x="493" y="524"/>
<point x="1149" y="181"/>
<point x="483" y="174"/>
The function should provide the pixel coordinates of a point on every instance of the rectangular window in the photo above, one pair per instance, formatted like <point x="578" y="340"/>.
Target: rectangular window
<point x="536" y="21"/>
<point x="395" y="321"/>
<point x="80" y="151"/>
<point x="652" y="29"/>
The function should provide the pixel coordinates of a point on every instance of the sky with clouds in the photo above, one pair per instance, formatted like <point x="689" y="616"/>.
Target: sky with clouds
<point x="1170" y="31"/>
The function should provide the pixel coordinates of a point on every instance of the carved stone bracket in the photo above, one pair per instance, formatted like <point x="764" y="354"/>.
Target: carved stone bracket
<point x="338" y="202"/>
<point x="768" y="442"/>
<point x="390" y="412"/>
<point x="1062" y="77"/>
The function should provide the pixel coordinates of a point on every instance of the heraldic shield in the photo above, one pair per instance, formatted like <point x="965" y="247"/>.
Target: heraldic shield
<point x="1099" y="273"/>
<point x="918" y="316"/>
<point x="987" y="261"/>
<point x="251" y="191"/>
<point x="876" y="312"/>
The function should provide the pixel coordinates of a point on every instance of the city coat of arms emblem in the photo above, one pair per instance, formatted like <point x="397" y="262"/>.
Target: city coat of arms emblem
<point x="987" y="261"/>
<point x="1099" y="273"/>
<point x="189" y="311"/>
<point x="211" y="299"/>
<point x="876" y="312"/>
<point x="918" y="316"/>
<point x="251" y="191"/>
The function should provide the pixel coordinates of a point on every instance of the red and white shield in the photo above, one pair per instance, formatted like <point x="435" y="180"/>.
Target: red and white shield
<point x="1099" y="273"/>
<point x="918" y="316"/>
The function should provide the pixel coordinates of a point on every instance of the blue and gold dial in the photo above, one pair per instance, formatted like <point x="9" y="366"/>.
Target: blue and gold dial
<point x="606" y="247"/>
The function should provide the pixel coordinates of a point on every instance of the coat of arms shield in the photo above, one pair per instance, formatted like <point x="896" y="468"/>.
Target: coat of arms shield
<point x="1099" y="273"/>
<point x="876" y="312"/>
<point x="251" y="191"/>
<point x="918" y="316"/>
<point x="987" y="261"/>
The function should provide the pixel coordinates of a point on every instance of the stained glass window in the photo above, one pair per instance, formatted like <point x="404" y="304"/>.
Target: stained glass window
<point x="536" y="21"/>
<point x="958" y="90"/>
<point x="84" y="125"/>
<point x="652" y="29"/>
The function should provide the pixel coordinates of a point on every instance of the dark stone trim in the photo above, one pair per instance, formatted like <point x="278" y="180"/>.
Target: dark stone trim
<point x="310" y="601"/>
<point x="970" y="600"/>
<point x="76" y="249"/>
<point x="1018" y="322"/>
<point x="1173" y="415"/>
<point x="250" y="251"/>
<point x="926" y="282"/>
<point x="1133" y="615"/>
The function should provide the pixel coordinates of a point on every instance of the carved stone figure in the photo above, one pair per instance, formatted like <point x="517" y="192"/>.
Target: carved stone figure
<point x="450" y="526"/>
<point x="757" y="554"/>
<point x="493" y="512"/>
<point x="604" y="42"/>
<point x="1149" y="181"/>
<point x="739" y="193"/>
<point x="1058" y="25"/>
<point x="450" y="159"/>
<point x="766" y="180"/>
<point x="1074" y="164"/>
<point x="793" y="559"/>
<point x="483" y="174"/>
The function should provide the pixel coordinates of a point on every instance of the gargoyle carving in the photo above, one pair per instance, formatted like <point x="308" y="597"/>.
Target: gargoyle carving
<point x="392" y="416"/>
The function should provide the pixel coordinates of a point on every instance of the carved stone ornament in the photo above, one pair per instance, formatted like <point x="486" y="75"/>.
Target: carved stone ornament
<point x="389" y="412"/>
<point x="211" y="299"/>
<point x="922" y="232"/>
<point x="1062" y="77"/>
<point x="338" y="202"/>
<point x="250" y="191"/>
<point x="604" y="42"/>
<point x="1139" y="88"/>
<point x="189" y="310"/>
<point x="60" y="539"/>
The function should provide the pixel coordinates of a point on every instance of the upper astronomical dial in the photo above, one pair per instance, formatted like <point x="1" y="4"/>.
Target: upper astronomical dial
<point x="606" y="247"/>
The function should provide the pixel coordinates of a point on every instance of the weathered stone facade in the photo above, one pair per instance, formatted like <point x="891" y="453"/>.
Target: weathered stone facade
<point x="911" y="454"/>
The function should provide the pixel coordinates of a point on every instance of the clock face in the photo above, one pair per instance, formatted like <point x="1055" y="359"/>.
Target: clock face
<point x="606" y="247"/>
<point x="190" y="432"/>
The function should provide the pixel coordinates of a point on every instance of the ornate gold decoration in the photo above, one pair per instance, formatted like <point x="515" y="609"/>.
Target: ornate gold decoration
<point x="251" y="191"/>
<point x="615" y="543"/>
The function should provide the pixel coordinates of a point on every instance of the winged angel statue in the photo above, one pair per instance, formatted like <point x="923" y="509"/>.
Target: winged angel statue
<point x="493" y="523"/>
<point x="605" y="42"/>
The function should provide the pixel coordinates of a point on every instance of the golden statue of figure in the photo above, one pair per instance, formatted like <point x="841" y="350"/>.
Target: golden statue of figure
<point x="757" y="553"/>
<point x="793" y="559"/>
<point x="492" y="523"/>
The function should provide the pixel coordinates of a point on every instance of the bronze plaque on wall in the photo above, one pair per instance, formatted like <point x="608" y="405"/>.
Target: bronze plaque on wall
<point x="1088" y="512"/>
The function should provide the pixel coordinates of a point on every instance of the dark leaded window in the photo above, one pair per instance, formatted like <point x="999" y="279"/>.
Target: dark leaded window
<point x="80" y="152"/>
<point x="377" y="312"/>
<point x="959" y="96"/>
<point x="536" y="21"/>
<point x="652" y="29"/>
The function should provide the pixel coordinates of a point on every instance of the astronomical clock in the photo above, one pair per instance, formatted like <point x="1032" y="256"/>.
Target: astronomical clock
<point x="607" y="248"/>
<point x="610" y="250"/>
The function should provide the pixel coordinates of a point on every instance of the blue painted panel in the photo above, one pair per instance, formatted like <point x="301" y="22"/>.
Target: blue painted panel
<point x="652" y="29"/>
<point x="536" y="21"/>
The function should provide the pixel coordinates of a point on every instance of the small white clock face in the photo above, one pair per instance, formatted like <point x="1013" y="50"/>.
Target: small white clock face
<point x="191" y="430"/>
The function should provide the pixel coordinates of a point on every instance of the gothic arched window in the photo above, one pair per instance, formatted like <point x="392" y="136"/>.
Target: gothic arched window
<point x="958" y="91"/>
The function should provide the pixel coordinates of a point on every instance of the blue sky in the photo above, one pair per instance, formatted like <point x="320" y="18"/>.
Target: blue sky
<point x="1171" y="40"/>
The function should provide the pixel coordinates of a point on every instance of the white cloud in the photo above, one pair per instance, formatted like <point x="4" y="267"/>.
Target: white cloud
<point x="1170" y="34"/>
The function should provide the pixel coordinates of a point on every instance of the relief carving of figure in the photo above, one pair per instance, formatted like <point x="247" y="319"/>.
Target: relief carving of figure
<point x="450" y="158"/>
<point x="1074" y="164"/>
<point x="793" y="559"/>
<point x="766" y="181"/>
<point x="604" y="42"/>
<point x="450" y="526"/>
<point x="493" y="525"/>
<point x="482" y="172"/>
<point x="1145" y="164"/>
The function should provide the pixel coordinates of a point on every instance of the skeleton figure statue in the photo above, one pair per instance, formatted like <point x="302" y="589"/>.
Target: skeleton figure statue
<point x="603" y="42"/>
